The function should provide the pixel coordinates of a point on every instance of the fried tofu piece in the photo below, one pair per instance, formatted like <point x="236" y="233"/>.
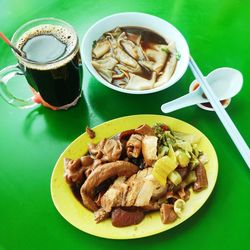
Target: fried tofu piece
<point x="149" y="149"/>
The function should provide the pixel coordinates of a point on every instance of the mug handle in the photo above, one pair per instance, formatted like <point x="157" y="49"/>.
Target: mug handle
<point x="5" y="75"/>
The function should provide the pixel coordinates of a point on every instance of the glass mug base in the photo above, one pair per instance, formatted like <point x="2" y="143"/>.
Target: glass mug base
<point x="39" y="100"/>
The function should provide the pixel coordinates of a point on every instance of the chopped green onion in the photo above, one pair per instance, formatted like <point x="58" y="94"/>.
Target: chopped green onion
<point x="164" y="50"/>
<point x="178" y="56"/>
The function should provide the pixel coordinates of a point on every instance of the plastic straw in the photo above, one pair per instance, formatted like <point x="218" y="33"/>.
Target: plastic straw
<point x="6" y="40"/>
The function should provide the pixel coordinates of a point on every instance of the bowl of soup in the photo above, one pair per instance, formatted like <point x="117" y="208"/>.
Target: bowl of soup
<point x="135" y="53"/>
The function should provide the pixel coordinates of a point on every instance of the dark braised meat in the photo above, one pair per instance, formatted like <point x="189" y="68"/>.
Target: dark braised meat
<point x="88" y="202"/>
<point x="182" y="171"/>
<point x="134" y="145"/>
<point x="126" y="134"/>
<point x="168" y="214"/>
<point x="139" y="162"/>
<point x="74" y="169"/>
<point x="124" y="218"/>
<point x="201" y="182"/>
<point x="116" y="177"/>
<point x="107" y="150"/>
<point x="90" y="132"/>
<point x="106" y="171"/>
<point x="101" y="174"/>
<point x="145" y="130"/>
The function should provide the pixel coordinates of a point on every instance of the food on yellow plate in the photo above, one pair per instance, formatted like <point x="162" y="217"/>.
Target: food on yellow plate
<point x="134" y="58"/>
<point x="179" y="206"/>
<point x="162" y="168"/>
<point x="138" y="171"/>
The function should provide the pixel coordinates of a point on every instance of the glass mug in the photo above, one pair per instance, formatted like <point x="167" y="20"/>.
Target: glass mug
<point x="51" y="65"/>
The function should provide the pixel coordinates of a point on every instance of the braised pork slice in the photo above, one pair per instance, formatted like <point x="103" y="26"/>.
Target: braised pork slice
<point x="138" y="191"/>
<point x="136" y="183"/>
<point x="143" y="188"/>
<point x="133" y="191"/>
<point x="115" y="196"/>
<point x="145" y="194"/>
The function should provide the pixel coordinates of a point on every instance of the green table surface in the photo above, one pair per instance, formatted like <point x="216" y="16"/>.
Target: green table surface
<point x="31" y="140"/>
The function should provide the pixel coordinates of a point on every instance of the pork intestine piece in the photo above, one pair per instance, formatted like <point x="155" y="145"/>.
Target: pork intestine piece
<point x="169" y="68"/>
<point x="128" y="69"/>
<point x="106" y="63"/>
<point x="119" y="55"/>
<point x="105" y="67"/>
<point x="139" y="83"/>
<point x="133" y="49"/>
<point x="107" y="150"/>
<point x="124" y="58"/>
<point x="158" y="55"/>
<point x="130" y="48"/>
<point x="101" y="48"/>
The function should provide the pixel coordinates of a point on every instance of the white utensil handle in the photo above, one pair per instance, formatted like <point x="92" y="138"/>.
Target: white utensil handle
<point x="182" y="102"/>
<point x="222" y="114"/>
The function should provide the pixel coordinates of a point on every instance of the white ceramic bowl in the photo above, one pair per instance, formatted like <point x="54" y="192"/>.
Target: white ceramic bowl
<point x="156" y="24"/>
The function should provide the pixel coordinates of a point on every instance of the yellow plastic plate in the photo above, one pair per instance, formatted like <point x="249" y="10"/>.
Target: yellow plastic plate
<point x="74" y="212"/>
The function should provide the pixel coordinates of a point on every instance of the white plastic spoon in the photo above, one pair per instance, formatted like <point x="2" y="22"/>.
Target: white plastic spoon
<point x="225" y="83"/>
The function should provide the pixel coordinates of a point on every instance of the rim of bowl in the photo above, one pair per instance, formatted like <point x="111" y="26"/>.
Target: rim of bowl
<point x="128" y="91"/>
<point x="200" y="105"/>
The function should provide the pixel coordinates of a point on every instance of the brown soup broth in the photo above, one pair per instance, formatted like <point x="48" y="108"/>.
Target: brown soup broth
<point x="148" y="38"/>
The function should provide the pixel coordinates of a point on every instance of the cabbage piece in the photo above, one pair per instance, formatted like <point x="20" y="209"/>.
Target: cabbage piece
<point x="191" y="138"/>
<point x="186" y="146"/>
<point x="182" y="158"/>
<point x="162" y="168"/>
<point x="171" y="154"/>
<point x="175" y="178"/>
<point x="162" y="150"/>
